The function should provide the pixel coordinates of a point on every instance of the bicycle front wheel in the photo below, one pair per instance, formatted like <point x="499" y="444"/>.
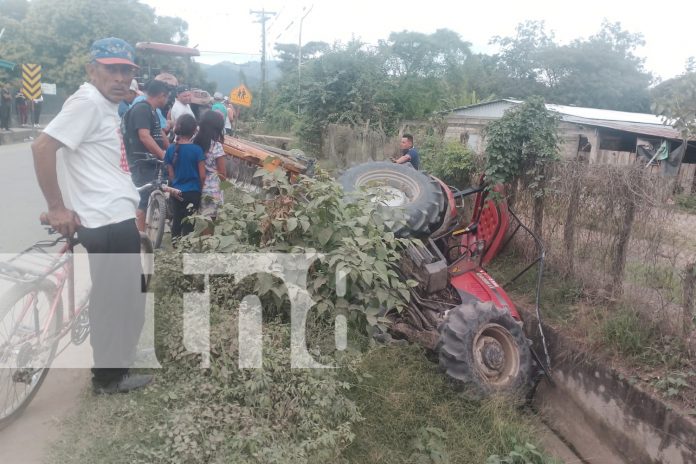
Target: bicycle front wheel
<point x="147" y="259"/>
<point x="156" y="217"/>
<point x="30" y="321"/>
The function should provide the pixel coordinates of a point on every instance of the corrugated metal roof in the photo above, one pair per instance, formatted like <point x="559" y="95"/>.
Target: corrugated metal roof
<point x="606" y="115"/>
<point x="654" y="130"/>
<point x="637" y="123"/>
<point x="489" y="110"/>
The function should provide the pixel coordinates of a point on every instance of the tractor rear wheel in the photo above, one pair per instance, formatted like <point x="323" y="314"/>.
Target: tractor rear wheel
<point x="415" y="194"/>
<point x="484" y="351"/>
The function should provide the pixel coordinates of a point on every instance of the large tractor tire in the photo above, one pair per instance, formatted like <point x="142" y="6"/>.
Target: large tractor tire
<point x="484" y="351"/>
<point x="416" y="195"/>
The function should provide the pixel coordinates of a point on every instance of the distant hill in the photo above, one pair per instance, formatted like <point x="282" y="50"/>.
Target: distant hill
<point x="229" y="75"/>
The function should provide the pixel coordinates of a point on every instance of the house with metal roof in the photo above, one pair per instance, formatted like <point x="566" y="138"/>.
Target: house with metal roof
<point x="593" y="135"/>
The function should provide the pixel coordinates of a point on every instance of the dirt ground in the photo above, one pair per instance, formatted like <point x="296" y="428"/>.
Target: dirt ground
<point x="26" y="441"/>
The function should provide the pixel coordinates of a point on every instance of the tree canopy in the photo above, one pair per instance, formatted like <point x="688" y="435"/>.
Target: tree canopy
<point x="601" y="71"/>
<point x="413" y="75"/>
<point x="676" y="100"/>
<point x="58" y="33"/>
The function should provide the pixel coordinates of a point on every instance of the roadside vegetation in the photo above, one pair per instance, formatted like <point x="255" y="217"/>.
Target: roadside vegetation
<point x="383" y="404"/>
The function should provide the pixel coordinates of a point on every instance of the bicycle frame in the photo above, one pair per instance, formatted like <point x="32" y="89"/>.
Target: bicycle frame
<point x="60" y="269"/>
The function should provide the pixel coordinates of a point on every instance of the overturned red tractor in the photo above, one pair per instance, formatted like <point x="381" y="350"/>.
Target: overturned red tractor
<point x="457" y="310"/>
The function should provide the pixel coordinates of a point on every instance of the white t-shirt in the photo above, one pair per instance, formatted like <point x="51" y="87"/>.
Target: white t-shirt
<point x="178" y="109"/>
<point x="98" y="182"/>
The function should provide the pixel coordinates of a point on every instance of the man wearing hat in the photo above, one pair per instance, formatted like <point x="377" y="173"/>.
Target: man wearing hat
<point x="181" y="104"/>
<point x="103" y="200"/>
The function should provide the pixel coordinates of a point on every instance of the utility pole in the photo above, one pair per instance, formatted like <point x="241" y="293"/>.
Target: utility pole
<point x="262" y="17"/>
<point x="299" y="61"/>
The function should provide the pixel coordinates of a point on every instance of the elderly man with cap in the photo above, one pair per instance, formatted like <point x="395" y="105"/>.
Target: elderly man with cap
<point x="103" y="199"/>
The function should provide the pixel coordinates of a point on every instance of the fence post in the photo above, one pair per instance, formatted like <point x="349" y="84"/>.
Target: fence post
<point x="689" y="290"/>
<point x="570" y="220"/>
<point x="619" y="263"/>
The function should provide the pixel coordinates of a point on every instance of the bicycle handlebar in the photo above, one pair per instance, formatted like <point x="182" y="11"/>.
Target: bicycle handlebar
<point x="148" y="159"/>
<point x="43" y="219"/>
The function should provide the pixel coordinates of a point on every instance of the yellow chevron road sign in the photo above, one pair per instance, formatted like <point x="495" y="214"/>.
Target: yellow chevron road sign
<point x="31" y="80"/>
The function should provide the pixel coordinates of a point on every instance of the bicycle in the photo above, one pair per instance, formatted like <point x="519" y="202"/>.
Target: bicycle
<point x="32" y="320"/>
<point x="157" y="212"/>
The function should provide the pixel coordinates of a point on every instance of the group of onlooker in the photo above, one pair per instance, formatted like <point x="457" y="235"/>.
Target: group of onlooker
<point x="191" y="149"/>
<point x="23" y="107"/>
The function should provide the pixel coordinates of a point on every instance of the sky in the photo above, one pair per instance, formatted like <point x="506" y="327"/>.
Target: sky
<point x="226" y="30"/>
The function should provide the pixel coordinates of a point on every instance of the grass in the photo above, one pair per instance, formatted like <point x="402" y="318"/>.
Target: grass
<point x="615" y="327"/>
<point x="411" y="414"/>
<point x="559" y="296"/>
<point x="659" y="277"/>
<point x="386" y="405"/>
<point x="640" y="341"/>
<point x="686" y="203"/>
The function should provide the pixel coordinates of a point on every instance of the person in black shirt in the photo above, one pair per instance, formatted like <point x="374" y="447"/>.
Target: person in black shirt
<point x="409" y="153"/>
<point x="143" y="137"/>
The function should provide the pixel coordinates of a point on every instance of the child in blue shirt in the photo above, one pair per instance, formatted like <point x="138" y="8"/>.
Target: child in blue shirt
<point x="186" y="167"/>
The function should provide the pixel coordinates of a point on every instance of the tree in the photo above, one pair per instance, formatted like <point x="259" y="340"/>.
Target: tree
<point x="14" y="9"/>
<point x="57" y="34"/>
<point x="345" y="85"/>
<point x="519" y="146"/>
<point x="413" y="54"/>
<point x="287" y="53"/>
<point x="675" y="99"/>
<point x="520" y="62"/>
<point x="427" y="70"/>
<point x="601" y="71"/>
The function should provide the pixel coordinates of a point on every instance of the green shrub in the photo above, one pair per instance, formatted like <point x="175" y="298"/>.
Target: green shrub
<point x="448" y="160"/>
<point x="311" y="216"/>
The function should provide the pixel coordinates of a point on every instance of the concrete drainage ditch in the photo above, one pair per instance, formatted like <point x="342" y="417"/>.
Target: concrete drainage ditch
<point x="605" y="419"/>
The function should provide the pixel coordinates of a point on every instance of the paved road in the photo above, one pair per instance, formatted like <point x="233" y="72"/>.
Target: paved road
<point x="22" y="201"/>
<point x="25" y="441"/>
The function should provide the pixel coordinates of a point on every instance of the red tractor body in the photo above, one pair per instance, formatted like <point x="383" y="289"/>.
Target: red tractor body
<point x="458" y="310"/>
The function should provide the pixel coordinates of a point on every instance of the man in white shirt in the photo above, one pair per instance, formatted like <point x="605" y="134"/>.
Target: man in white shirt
<point x="181" y="104"/>
<point x="103" y="197"/>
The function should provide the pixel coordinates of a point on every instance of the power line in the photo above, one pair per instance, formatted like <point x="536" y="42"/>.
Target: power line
<point x="275" y="19"/>
<point x="262" y="17"/>
<point x="290" y="24"/>
<point x="229" y="53"/>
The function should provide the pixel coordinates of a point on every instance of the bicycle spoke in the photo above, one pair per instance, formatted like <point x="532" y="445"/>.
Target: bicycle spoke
<point x="28" y="331"/>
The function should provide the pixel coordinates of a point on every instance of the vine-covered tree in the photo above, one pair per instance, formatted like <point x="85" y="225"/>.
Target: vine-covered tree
<point x="519" y="146"/>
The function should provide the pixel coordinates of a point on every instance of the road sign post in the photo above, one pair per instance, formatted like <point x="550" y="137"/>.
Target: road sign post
<point x="31" y="81"/>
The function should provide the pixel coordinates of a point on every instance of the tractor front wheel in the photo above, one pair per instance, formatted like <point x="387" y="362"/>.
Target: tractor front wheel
<point x="484" y="351"/>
